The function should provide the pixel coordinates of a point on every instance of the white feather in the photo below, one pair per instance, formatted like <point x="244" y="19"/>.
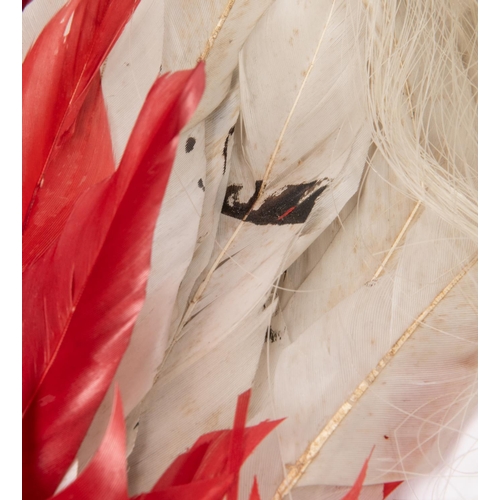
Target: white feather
<point x="219" y="140"/>
<point x="131" y="69"/>
<point x="191" y="29"/>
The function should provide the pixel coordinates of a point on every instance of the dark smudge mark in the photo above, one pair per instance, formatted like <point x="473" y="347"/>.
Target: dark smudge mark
<point x="232" y="205"/>
<point x="201" y="185"/>
<point x="292" y="206"/>
<point x="223" y="262"/>
<point x="224" y="151"/>
<point x="190" y="144"/>
<point x="272" y="335"/>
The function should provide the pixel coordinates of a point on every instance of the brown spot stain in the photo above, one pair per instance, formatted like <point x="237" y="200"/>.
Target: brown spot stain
<point x="212" y="421"/>
<point x="470" y="361"/>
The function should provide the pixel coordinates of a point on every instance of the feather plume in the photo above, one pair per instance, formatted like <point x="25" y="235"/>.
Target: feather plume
<point x="423" y="101"/>
<point x="317" y="242"/>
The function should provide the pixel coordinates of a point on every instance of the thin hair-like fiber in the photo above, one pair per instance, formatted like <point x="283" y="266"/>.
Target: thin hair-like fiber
<point x="422" y="65"/>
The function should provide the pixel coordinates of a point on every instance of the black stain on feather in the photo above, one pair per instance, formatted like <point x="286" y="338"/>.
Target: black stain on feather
<point x="272" y="335"/>
<point x="232" y="205"/>
<point x="291" y="206"/>
<point x="136" y="425"/>
<point x="190" y="144"/>
<point x="201" y="185"/>
<point x="224" y="151"/>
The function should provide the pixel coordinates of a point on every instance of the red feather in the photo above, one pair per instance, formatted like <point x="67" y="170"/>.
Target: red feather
<point x="106" y="474"/>
<point x="216" y="458"/>
<point x="81" y="159"/>
<point x="184" y="468"/>
<point x="390" y="487"/>
<point x="59" y="71"/>
<point x="354" y="492"/>
<point x="254" y="494"/>
<point x="236" y="450"/>
<point x="82" y="297"/>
